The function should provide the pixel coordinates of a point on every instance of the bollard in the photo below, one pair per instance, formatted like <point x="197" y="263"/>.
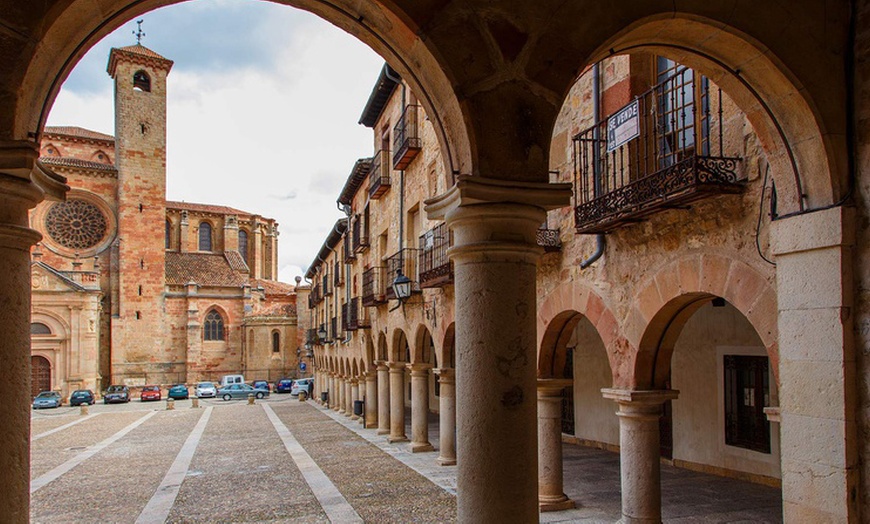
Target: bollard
<point x="194" y="402"/>
<point x="170" y="404"/>
<point x="303" y="396"/>
<point x="250" y="399"/>
<point x="84" y="408"/>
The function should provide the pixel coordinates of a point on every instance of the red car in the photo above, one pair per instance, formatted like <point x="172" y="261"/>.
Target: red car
<point x="150" y="393"/>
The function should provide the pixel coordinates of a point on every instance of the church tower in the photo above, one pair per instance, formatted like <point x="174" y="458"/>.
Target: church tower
<point x="139" y="347"/>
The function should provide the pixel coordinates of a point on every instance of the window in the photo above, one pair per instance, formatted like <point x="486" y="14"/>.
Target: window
<point x="678" y="117"/>
<point x="243" y="244"/>
<point x="214" y="326"/>
<point x="168" y="231"/>
<point x="141" y="81"/>
<point x="205" y="236"/>
<point x="276" y="342"/>
<point x="38" y="328"/>
<point x="747" y="392"/>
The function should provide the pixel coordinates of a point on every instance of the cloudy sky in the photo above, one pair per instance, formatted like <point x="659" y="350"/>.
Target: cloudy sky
<point x="262" y="115"/>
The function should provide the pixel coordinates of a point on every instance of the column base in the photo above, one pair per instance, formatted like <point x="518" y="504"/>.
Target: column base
<point x="421" y="447"/>
<point x="393" y="440"/>
<point x="383" y="432"/>
<point x="445" y="461"/>
<point x="371" y="425"/>
<point x="560" y="504"/>
<point x="354" y="417"/>
<point x="636" y="520"/>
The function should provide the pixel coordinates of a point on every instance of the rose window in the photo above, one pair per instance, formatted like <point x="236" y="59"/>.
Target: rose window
<point x="76" y="224"/>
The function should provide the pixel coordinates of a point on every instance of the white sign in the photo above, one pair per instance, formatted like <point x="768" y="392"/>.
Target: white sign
<point x="623" y="126"/>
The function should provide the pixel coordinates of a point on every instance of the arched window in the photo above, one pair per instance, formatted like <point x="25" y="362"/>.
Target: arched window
<point x="205" y="236"/>
<point x="276" y="342"/>
<point x="142" y="81"/>
<point x="214" y="326"/>
<point x="243" y="244"/>
<point x="168" y="230"/>
<point x="38" y="328"/>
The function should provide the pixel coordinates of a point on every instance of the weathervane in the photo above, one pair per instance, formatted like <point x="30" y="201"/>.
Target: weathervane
<point x="139" y="33"/>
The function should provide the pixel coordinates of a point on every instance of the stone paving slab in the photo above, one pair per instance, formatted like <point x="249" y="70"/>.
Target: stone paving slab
<point x="241" y="472"/>
<point x="115" y="484"/>
<point x="380" y="488"/>
<point x="59" y="447"/>
<point x="40" y="423"/>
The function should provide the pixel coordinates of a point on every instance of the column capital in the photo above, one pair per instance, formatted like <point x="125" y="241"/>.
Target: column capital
<point x="419" y="367"/>
<point x="640" y="403"/>
<point x="397" y="367"/>
<point x="472" y="190"/>
<point x="552" y="387"/>
<point x="353" y="381"/>
<point x="445" y="374"/>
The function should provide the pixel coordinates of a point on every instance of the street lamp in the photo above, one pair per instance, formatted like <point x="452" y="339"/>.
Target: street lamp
<point x="402" y="286"/>
<point x="321" y="333"/>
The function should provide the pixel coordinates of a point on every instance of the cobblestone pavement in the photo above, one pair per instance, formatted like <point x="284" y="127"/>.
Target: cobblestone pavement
<point x="286" y="461"/>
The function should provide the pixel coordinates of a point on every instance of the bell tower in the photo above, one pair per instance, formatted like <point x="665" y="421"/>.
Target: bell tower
<point x="137" y="328"/>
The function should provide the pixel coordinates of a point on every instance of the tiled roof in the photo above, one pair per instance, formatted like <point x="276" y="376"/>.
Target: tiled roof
<point x="357" y="176"/>
<point x="206" y="208"/>
<point x="206" y="269"/>
<point x="273" y="287"/>
<point x="275" y="310"/>
<point x="68" y="161"/>
<point x="328" y="245"/>
<point x="236" y="261"/>
<point x="381" y="92"/>
<point x="78" y="132"/>
<point x="139" y="49"/>
<point x="139" y="54"/>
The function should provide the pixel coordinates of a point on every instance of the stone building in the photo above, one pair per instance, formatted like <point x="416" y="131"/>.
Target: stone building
<point x="493" y="79"/>
<point x="113" y="302"/>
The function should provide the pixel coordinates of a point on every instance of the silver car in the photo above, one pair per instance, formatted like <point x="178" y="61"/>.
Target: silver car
<point x="241" y="391"/>
<point x="206" y="390"/>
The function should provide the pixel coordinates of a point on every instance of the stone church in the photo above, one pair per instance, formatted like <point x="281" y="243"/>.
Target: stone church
<point x="115" y="303"/>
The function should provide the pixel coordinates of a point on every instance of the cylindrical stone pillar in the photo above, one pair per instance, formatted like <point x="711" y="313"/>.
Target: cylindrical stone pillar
<point x="447" y="418"/>
<point x="17" y="196"/>
<point x="371" y="419"/>
<point x="354" y="397"/>
<point x="639" y="452"/>
<point x="397" y="403"/>
<point x="420" y="408"/>
<point x="348" y="397"/>
<point x="342" y="397"/>
<point x="334" y="395"/>
<point x="551" y="496"/>
<point x="495" y="254"/>
<point x="383" y="399"/>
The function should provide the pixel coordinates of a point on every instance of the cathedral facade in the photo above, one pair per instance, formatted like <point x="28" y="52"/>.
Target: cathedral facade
<point x="114" y="303"/>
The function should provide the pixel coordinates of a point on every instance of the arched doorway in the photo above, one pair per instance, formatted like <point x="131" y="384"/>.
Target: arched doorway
<point x="40" y="375"/>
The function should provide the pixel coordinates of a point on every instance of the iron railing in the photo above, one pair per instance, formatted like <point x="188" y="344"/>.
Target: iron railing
<point x="373" y="289"/>
<point x="379" y="176"/>
<point x="436" y="269"/>
<point x="316" y="295"/>
<point x="333" y="329"/>
<point x="406" y="138"/>
<point x="360" y="234"/>
<point x="548" y="239"/>
<point x="347" y="248"/>
<point x="677" y="156"/>
<point x="406" y="261"/>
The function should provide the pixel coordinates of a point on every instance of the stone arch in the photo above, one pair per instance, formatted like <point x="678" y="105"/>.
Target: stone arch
<point x="793" y="128"/>
<point x="59" y="327"/>
<point x="354" y="368"/>
<point x="400" y="347"/>
<point x="677" y="290"/>
<point x="370" y="356"/>
<point x="423" y="350"/>
<point x="448" y="347"/>
<point x="383" y="351"/>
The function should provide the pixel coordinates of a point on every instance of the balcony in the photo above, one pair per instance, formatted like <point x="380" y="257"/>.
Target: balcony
<point x="316" y="296"/>
<point x="327" y="286"/>
<point x="406" y="260"/>
<point x="333" y="329"/>
<point x="379" y="176"/>
<point x="311" y="336"/>
<point x="373" y="289"/>
<point x="354" y="316"/>
<point x="664" y="150"/>
<point x="348" y="250"/>
<point x="549" y="239"/>
<point x="360" y="234"/>
<point x="406" y="138"/>
<point x="337" y="275"/>
<point x="436" y="270"/>
<point x="322" y="329"/>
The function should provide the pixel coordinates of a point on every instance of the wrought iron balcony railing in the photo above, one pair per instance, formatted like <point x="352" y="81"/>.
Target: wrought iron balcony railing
<point x="333" y="329"/>
<point x="346" y="318"/>
<point x="406" y="260"/>
<point x="436" y="269"/>
<point x="316" y="295"/>
<point x="360" y="234"/>
<point x="327" y="286"/>
<point x="406" y="138"/>
<point x="359" y="315"/>
<point x="548" y="239"/>
<point x="379" y="176"/>
<point x="373" y="288"/>
<point x="347" y="249"/>
<point x="662" y="151"/>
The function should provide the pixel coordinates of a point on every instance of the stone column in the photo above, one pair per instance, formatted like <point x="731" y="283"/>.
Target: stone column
<point x="495" y="256"/>
<point x="551" y="496"/>
<point x="383" y="398"/>
<point x="447" y="418"/>
<point x="348" y="398"/>
<point x="371" y="420"/>
<point x="18" y="194"/>
<point x="339" y="390"/>
<point x="333" y="392"/>
<point x="420" y="408"/>
<point x="397" y="403"/>
<point x="639" y="452"/>
<point x="818" y="396"/>
<point x="354" y="396"/>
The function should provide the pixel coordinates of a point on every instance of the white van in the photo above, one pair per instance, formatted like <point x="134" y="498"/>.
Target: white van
<point x="226" y="380"/>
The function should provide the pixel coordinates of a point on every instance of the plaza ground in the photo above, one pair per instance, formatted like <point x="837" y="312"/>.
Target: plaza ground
<point x="287" y="461"/>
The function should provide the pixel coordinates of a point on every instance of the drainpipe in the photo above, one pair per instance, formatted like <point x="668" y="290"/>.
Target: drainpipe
<point x="347" y="213"/>
<point x="398" y="80"/>
<point x="596" y="116"/>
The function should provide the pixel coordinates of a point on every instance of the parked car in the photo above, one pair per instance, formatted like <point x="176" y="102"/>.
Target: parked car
<point x="284" y="385"/>
<point x="178" y="392"/>
<point x="116" y="393"/>
<point x="302" y="384"/>
<point x="206" y="390"/>
<point x="226" y="380"/>
<point x="47" y="399"/>
<point x="261" y="384"/>
<point x="150" y="393"/>
<point x="82" y="396"/>
<point x="241" y="391"/>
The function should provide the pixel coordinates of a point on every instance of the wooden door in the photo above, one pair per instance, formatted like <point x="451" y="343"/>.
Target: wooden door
<point x="40" y="375"/>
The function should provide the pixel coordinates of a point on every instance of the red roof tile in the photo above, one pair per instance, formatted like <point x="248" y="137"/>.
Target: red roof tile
<point x="68" y="161"/>
<point x="206" y="208"/>
<point x="206" y="269"/>
<point x="139" y="49"/>
<point x="236" y="261"/>
<point x="78" y="132"/>
<point x="275" y="310"/>
<point x="273" y="287"/>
